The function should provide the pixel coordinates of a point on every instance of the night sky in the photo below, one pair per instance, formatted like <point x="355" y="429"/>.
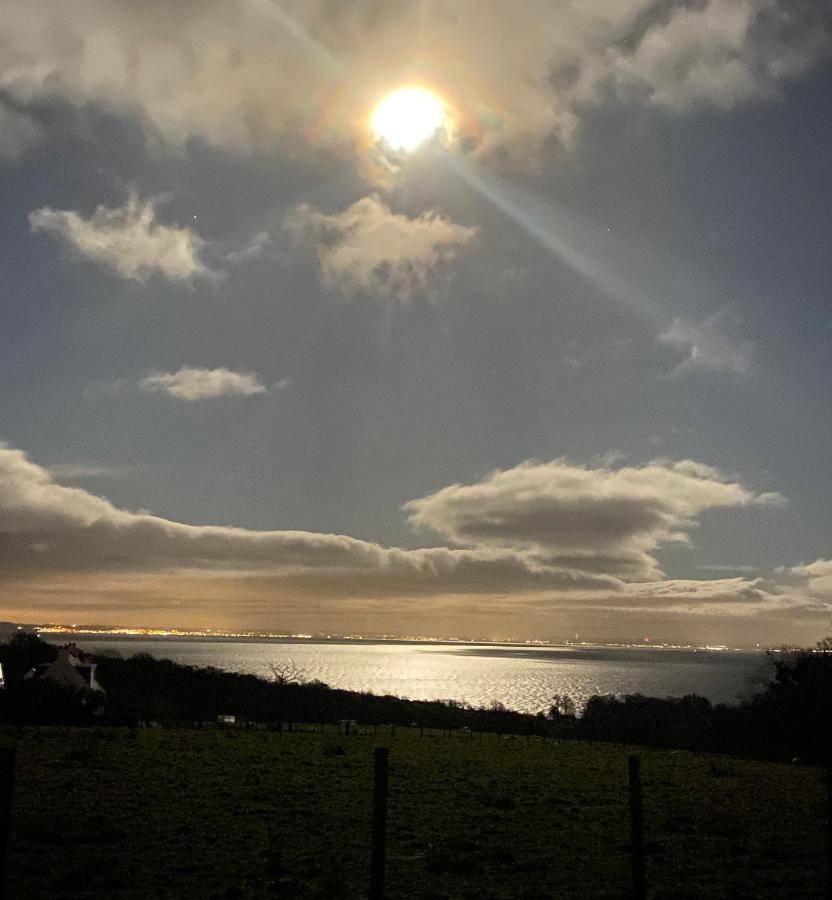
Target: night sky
<point x="562" y="369"/>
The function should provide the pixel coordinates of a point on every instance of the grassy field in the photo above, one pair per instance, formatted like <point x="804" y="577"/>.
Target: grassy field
<point x="165" y="813"/>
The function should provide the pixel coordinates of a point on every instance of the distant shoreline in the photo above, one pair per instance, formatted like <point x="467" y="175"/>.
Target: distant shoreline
<point x="106" y="636"/>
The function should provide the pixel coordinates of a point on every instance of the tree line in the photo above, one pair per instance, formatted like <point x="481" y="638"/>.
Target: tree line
<point x="787" y="719"/>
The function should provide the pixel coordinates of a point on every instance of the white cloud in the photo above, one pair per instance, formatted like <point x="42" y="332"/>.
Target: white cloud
<point x="127" y="240"/>
<point x="190" y="383"/>
<point x="600" y="519"/>
<point x="817" y="577"/>
<point x="369" y="249"/>
<point x="708" y="346"/>
<point x="519" y="72"/>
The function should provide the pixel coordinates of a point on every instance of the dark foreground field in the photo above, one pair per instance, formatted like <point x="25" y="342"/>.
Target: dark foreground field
<point x="163" y="813"/>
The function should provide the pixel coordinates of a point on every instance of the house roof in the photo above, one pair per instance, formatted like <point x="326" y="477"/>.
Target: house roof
<point x="71" y="667"/>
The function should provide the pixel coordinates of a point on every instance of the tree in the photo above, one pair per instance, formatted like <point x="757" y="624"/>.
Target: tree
<point x="22" y="653"/>
<point x="562" y="706"/>
<point x="286" y="673"/>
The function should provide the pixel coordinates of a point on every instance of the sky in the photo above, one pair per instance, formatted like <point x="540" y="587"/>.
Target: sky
<point x="560" y="371"/>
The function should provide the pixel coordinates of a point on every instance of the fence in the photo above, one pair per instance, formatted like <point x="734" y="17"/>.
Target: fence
<point x="378" y="830"/>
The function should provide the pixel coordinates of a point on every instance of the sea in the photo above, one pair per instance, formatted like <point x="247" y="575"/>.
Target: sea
<point x="520" y="676"/>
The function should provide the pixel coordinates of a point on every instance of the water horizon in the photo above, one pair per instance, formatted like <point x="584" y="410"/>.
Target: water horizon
<point x="521" y="676"/>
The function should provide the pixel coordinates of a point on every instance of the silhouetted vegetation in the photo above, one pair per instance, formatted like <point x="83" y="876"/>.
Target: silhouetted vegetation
<point x="786" y="720"/>
<point x="142" y="688"/>
<point x="21" y="654"/>
<point x="163" y="691"/>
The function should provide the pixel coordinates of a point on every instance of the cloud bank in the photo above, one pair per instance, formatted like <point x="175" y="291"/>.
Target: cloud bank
<point x="241" y="74"/>
<point x="369" y="249"/>
<point x="544" y="538"/>
<point x="127" y="240"/>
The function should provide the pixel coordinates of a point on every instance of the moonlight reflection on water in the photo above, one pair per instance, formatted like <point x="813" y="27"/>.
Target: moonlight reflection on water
<point x="521" y="677"/>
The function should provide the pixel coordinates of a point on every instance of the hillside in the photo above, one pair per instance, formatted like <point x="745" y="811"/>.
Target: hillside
<point x="212" y="813"/>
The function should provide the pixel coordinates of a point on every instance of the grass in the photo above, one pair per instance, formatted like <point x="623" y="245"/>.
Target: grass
<point x="248" y="814"/>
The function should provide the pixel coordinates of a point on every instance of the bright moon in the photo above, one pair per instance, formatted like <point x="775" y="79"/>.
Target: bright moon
<point x="407" y="118"/>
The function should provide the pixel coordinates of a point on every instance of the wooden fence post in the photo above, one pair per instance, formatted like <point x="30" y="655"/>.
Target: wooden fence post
<point x="381" y="758"/>
<point x="637" y="830"/>
<point x="7" y="756"/>
<point x="829" y="829"/>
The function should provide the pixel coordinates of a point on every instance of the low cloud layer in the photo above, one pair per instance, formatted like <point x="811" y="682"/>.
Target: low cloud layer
<point x="548" y="539"/>
<point x="595" y="519"/>
<point x="48" y="527"/>
<point x="190" y="383"/>
<point x="817" y="577"/>
<point x="240" y="74"/>
<point x="127" y="240"/>
<point x="367" y="249"/>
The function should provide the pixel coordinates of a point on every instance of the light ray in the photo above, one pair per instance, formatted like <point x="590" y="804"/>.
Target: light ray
<point x="551" y="229"/>
<point x="333" y="66"/>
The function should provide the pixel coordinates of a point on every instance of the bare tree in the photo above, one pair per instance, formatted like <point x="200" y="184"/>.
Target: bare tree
<point x="287" y="672"/>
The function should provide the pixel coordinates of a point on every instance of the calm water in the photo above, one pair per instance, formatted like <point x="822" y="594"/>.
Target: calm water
<point x="521" y="677"/>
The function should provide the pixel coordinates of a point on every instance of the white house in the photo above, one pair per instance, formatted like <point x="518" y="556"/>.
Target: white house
<point x="71" y="668"/>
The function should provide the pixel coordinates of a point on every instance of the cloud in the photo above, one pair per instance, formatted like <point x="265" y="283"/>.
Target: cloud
<point x="127" y="240"/>
<point x="189" y="383"/>
<point x="698" y="595"/>
<point x="721" y="52"/>
<point x="369" y="249"/>
<point x="817" y="578"/>
<point x="707" y="345"/>
<point x="601" y="519"/>
<point x="516" y="74"/>
<point x="67" y="551"/>
<point x="254" y="249"/>
<point x="48" y="527"/>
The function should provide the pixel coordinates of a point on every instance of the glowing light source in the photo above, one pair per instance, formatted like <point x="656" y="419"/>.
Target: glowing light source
<point x="406" y="118"/>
